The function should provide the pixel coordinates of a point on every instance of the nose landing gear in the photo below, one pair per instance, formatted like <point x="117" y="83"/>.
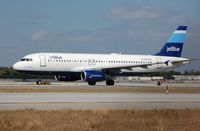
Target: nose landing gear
<point x="39" y="82"/>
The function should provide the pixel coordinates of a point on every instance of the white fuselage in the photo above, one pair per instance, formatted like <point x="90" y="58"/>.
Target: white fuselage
<point x="69" y="62"/>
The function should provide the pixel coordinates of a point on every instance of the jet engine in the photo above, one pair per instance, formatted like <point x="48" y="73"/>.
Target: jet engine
<point x="93" y="76"/>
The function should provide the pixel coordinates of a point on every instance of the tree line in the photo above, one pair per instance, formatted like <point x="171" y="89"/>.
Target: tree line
<point x="8" y="72"/>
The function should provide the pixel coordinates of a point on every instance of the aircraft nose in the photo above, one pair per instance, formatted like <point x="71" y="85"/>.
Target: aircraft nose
<point x="16" y="66"/>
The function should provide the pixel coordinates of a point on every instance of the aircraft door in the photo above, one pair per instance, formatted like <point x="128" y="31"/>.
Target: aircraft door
<point x="91" y="62"/>
<point x="42" y="60"/>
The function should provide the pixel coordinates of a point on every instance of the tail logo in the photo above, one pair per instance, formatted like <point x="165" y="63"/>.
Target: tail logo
<point x="173" y="49"/>
<point x="174" y="45"/>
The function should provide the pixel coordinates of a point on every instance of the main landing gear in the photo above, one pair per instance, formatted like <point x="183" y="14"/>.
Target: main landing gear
<point x="108" y="83"/>
<point x="91" y="83"/>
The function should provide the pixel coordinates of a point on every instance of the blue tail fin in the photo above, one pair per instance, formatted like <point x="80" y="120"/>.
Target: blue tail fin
<point x="174" y="45"/>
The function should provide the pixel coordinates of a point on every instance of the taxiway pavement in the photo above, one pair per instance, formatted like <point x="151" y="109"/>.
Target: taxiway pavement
<point x="56" y="101"/>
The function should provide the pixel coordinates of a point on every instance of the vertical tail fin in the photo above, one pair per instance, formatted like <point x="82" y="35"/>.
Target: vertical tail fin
<point x="174" y="45"/>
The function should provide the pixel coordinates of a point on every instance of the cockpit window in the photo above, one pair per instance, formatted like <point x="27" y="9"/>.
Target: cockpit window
<point x="23" y="59"/>
<point x="26" y="59"/>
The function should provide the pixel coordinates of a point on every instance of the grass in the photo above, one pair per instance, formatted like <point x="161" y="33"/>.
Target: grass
<point x="99" y="89"/>
<point x="100" y="120"/>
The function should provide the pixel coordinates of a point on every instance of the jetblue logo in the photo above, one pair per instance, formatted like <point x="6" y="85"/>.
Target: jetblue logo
<point x="173" y="49"/>
<point x="55" y="57"/>
<point x="95" y="76"/>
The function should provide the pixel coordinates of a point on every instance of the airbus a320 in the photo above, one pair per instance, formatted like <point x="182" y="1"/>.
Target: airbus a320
<point x="93" y="68"/>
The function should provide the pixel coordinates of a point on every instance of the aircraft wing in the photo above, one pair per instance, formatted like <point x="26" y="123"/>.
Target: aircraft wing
<point x="119" y="67"/>
<point x="144" y="65"/>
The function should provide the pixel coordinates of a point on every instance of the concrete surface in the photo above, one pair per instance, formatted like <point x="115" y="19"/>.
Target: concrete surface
<point x="49" y="101"/>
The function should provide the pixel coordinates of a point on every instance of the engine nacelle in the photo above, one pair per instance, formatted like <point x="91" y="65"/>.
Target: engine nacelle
<point x="93" y="76"/>
<point x="67" y="77"/>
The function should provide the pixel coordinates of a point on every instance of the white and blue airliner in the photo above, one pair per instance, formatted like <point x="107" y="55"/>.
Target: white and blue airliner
<point x="93" y="68"/>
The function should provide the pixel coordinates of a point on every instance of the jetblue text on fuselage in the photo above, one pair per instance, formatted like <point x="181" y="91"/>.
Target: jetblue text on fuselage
<point x="55" y="57"/>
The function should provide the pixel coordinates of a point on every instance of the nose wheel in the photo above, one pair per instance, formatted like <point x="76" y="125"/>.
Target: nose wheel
<point x="38" y="82"/>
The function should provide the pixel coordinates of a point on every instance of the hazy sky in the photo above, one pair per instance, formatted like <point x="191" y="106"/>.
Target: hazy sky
<point x="95" y="26"/>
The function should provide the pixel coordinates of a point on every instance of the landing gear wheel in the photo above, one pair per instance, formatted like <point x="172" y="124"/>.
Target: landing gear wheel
<point x="91" y="83"/>
<point x="110" y="82"/>
<point x="38" y="82"/>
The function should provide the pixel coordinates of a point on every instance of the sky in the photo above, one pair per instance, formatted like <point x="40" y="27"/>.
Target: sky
<point x="96" y="26"/>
